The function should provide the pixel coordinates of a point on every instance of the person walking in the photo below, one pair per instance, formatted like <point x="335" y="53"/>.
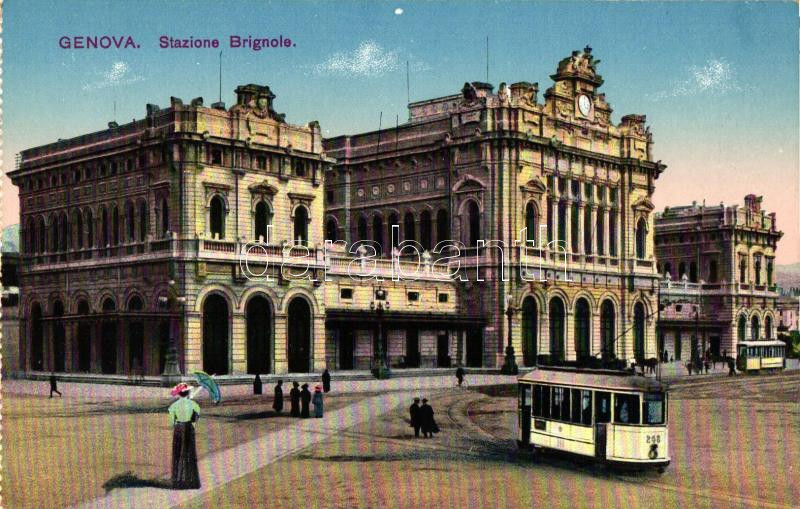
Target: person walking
<point x="294" y="399"/>
<point x="460" y="375"/>
<point x="413" y="410"/>
<point x="257" y="384"/>
<point x="317" y="400"/>
<point x="305" y="399"/>
<point x="183" y="413"/>
<point x="54" y="385"/>
<point x="427" y="421"/>
<point x="277" y="403"/>
<point x="731" y="366"/>
<point x="326" y="381"/>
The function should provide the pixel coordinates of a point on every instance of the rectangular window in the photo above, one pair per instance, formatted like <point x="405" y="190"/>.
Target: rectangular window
<point x="346" y="293"/>
<point x="565" y="408"/>
<point x="413" y="296"/>
<point x="576" y="406"/>
<point x="558" y="402"/>
<point x="537" y="400"/>
<point x="626" y="409"/>
<point x="586" y="408"/>
<point x="546" y="402"/>
<point x="653" y="410"/>
<point x="443" y="297"/>
<point x="216" y="156"/>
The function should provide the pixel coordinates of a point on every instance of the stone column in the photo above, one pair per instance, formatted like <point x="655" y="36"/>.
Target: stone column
<point x="593" y="212"/>
<point x="581" y="247"/>
<point x="606" y="245"/>
<point x="568" y="225"/>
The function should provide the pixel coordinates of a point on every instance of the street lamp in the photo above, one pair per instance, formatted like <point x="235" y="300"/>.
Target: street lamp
<point x="172" y="370"/>
<point x="510" y="364"/>
<point x="379" y="305"/>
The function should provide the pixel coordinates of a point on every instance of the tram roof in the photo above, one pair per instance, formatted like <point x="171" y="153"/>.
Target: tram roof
<point x="596" y="378"/>
<point x="774" y="342"/>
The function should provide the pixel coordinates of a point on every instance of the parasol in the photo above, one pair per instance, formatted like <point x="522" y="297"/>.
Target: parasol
<point x="208" y="383"/>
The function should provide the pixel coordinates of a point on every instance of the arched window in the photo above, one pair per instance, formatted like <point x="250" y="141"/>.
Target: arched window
<point x="582" y="329"/>
<point x="54" y="233"/>
<point x="106" y="229"/>
<point x="530" y="329"/>
<point x="377" y="232"/>
<point x="78" y="218"/>
<point x="474" y="221"/>
<point x="442" y="226"/>
<point x="30" y="235"/>
<point x="741" y="329"/>
<point x="90" y="227"/>
<point x="330" y="230"/>
<point x="638" y="332"/>
<point x="769" y="272"/>
<point x="425" y="230"/>
<point x="362" y="228"/>
<point x="550" y="233"/>
<point x="562" y="224"/>
<point x="530" y="224"/>
<point x="607" y="321"/>
<point x="144" y="220"/>
<point x="757" y="269"/>
<point x="641" y="238"/>
<point x="217" y="217"/>
<point x="601" y="247"/>
<point x="556" y="329"/>
<point x="115" y="223"/>
<point x="668" y="269"/>
<point x="64" y="236"/>
<point x="130" y="222"/>
<point x="164" y="217"/>
<point x="574" y="220"/>
<point x="768" y="327"/>
<point x="693" y="272"/>
<point x="743" y="270"/>
<point x="41" y="230"/>
<point x="262" y="220"/>
<point x="408" y="227"/>
<point x="712" y="271"/>
<point x="394" y="221"/>
<point x="301" y="225"/>
<point x="755" y="327"/>
<point x="612" y="233"/>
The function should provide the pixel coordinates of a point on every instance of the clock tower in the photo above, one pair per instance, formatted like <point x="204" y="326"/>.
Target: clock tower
<point x="574" y="94"/>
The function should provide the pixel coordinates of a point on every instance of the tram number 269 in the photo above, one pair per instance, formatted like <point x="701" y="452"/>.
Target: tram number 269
<point x="653" y="439"/>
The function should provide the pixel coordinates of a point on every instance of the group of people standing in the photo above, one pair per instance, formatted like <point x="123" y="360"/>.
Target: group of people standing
<point x="300" y="397"/>
<point x="422" y="418"/>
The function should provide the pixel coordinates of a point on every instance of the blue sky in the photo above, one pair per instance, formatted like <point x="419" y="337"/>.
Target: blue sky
<point x="717" y="81"/>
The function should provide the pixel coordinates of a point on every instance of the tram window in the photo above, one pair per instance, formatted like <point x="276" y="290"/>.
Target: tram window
<point x="586" y="408"/>
<point x="537" y="400"/>
<point x="565" y="405"/>
<point x="626" y="408"/>
<point x="558" y="401"/>
<point x="546" y="402"/>
<point x="602" y="407"/>
<point x="653" y="408"/>
<point x="576" y="406"/>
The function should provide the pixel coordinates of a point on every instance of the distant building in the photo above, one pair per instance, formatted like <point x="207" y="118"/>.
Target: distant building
<point x="717" y="288"/>
<point x="9" y="310"/>
<point x="788" y="308"/>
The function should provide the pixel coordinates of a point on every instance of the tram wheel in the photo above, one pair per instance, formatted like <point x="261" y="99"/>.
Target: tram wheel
<point x="661" y="470"/>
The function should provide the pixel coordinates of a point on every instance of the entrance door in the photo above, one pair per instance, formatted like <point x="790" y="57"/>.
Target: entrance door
<point x="299" y="336"/>
<point x="525" y="414"/>
<point x="84" y="348"/>
<point x="108" y="347"/>
<point x="215" y="335"/>
<point x="346" y="348"/>
<point x="474" y="348"/>
<point x="442" y="351"/>
<point x="412" y="348"/>
<point x="259" y="332"/>
<point x="602" y="416"/>
<point x="715" y="346"/>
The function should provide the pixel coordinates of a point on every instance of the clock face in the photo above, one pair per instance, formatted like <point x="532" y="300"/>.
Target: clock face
<point x="584" y="105"/>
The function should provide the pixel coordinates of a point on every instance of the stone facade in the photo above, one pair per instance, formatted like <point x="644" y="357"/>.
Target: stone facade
<point x="485" y="165"/>
<point x="718" y="286"/>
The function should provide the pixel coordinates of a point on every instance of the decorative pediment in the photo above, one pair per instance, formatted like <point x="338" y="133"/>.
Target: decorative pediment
<point x="468" y="183"/>
<point x="300" y="198"/>
<point x="535" y="186"/>
<point x="643" y="204"/>
<point x="263" y="188"/>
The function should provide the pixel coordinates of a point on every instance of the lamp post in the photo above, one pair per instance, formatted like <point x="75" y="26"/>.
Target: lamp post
<point x="379" y="304"/>
<point x="510" y="363"/>
<point x="172" y="370"/>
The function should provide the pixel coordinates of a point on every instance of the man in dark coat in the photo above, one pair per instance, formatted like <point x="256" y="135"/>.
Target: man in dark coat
<point x="257" y="384"/>
<point x="277" y="403"/>
<point x="414" y="411"/>
<point x="294" y="397"/>
<point x="326" y="381"/>
<point x="460" y="375"/>
<point x="427" y="421"/>
<point x="305" y="399"/>
<point x="54" y="385"/>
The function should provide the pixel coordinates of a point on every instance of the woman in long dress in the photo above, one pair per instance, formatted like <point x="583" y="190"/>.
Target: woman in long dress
<point x="317" y="400"/>
<point x="183" y="413"/>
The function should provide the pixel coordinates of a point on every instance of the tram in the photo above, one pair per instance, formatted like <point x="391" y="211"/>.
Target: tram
<point x="614" y="416"/>
<point x="757" y="356"/>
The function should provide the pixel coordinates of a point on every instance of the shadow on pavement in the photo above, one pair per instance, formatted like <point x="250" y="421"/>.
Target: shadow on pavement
<point x="130" y="480"/>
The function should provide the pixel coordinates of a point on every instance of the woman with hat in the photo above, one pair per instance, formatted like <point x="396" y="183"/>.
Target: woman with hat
<point x="305" y="399"/>
<point x="317" y="400"/>
<point x="183" y="413"/>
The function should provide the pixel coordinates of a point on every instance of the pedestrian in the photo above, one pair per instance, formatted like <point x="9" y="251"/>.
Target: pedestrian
<point x="413" y="410"/>
<point x="277" y="403"/>
<point x="326" y="381"/>
<point x="427" y="421"/>
<point x="257" y="384"/>
<point x="294" y="398"/>
<point x="707" y="360"/>
<point x="54" y="385"/>
<point x="731" y="366"/>
<point x="460" y="375"/>
<point x="183" y="413"/>
<point x="305" y="399"/>
<point x="317" y="400"/>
